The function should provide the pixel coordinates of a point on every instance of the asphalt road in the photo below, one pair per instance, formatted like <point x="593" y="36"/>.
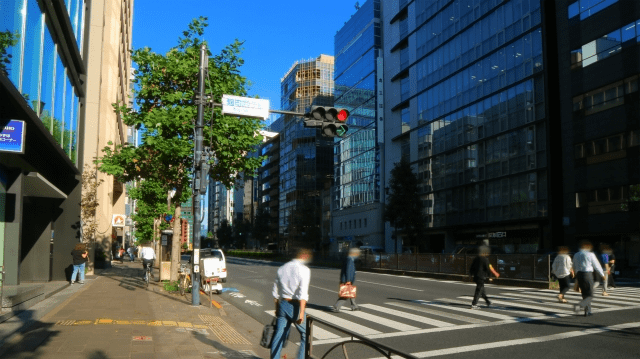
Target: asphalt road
<point x="431" y="318"/>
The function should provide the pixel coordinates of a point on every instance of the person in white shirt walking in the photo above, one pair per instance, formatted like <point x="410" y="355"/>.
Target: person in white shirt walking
<point x="148" y="255"/>
<point x="291" y="293"/>
<point x="562" y="268"/>
<point x="584" y="264"/>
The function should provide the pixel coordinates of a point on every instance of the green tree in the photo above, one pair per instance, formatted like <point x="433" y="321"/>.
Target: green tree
<point x="404" y="209"/>
<point x="151" y="204"/>
<point x="164" y="97"/>
<point x="225" y="233"/>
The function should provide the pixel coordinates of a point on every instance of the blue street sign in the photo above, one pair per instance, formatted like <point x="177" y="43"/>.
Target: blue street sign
<point x="168" y="217"/>
<point x="12" y="137"/>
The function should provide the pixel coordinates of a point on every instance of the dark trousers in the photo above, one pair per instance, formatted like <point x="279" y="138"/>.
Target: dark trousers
<point x="343" y="301"/>
<point x="585" y="282"/>
<point x="480" y="292"/>
<point x="564" y="284"/>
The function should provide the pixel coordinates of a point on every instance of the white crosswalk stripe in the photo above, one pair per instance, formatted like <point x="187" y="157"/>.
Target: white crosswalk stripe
<point x="383" y="321"/>
<point x="511" y="302"/>
<point x="417" y="318"/>
<point x="439" y="313"/>
<point x="599" y="297"/>
<point x="440" y="304"/>
<point x="551" y="300"/>
<point x="318" y="333"/>
<point x="467" y="301"/>
<point x="341" y="322"/>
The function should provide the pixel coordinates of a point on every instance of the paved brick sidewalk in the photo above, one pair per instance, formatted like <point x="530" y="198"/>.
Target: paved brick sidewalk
<point x="115" y="316"/>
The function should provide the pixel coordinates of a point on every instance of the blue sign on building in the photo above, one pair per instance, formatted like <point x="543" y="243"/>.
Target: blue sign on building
<point x="12" y="137"/>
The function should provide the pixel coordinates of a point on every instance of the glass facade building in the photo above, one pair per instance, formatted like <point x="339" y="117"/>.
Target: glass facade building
<point x="468" y="108"/>
<point x="306" y="161"/>
<point x="356" y="191"/>
<point x="40" y="66"/>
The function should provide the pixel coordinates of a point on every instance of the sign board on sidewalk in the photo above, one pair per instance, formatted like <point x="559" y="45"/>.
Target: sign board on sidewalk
<point x="245" y="106"/>
<point x="12" y="137"/>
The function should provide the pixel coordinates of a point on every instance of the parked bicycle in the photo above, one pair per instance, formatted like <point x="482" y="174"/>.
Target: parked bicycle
<point x="184" y="279"/>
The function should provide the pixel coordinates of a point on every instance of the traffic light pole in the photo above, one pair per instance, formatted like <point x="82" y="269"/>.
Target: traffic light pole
<point x="198" y="177"/>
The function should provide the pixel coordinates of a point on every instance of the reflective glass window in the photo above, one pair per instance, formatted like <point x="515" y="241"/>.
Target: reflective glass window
<point x="12" y="14"/>
<point x="69" y="117"/>
<point x="58" y="103"/>
<point x="48" y="79"/>
<point x="32" y="55"/>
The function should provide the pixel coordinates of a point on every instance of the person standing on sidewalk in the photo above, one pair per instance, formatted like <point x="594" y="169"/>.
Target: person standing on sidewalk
<point x="291" y="293"/>
<point x="348" y="276"/>
<point x="480" y="269"/>
<point x="80" y="257"/>
<point x="584" y="264"/>
<point x="148" y="255"/>
<point x="562" y="268"/>
<point x="130" y="252"/>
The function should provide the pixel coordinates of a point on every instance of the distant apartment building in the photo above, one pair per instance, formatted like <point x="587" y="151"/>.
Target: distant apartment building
<point x="224" y="205"/>
<point x="467" y="102"/>
<point x="356" y="207"/>
<point x="268" y="185"/>
<point x="306" y="157"/>
<point x="187" y="214"/>
<point x="598" y="69"/>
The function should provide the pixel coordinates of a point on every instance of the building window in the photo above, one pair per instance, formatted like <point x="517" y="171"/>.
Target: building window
<point x="405" y="117"/>
<point x="586" y="8"/>
<point x="612" y="199"/>
<point x="340" y="225"/>
<point x="360" y="225"/>
<point x="605" y="46"/>
<point x="605" y="97"/>
<point x="606" y="146"/>
<point x="365" y="223"/>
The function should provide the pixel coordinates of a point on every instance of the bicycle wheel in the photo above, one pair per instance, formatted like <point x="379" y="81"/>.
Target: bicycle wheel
<point x="146" y="278"/>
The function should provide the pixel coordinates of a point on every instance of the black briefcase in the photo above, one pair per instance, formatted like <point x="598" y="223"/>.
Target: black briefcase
<point x="267" y="335"/>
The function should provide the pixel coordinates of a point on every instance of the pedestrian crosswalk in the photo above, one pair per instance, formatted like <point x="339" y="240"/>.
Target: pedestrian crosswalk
<point x="407" y="317"/>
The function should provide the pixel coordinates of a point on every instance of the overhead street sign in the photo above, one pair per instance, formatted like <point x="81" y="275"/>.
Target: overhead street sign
<point x="245" y="106"/>
<point x="12" y="137"/>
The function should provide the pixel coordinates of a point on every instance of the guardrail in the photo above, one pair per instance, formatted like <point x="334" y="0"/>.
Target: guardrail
<point x="355" y="339"/>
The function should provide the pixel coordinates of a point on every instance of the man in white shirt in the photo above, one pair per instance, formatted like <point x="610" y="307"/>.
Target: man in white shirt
<point x="148" y="255"/>
<point x="584" y="264"/>
<point x="291" y="293"/>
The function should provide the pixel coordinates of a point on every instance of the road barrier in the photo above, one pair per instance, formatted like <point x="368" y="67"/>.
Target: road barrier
<point x="356" y="341"/>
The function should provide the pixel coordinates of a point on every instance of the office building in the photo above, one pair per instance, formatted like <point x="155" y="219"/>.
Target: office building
<point x="598" y="66"/>
<point x="269" y="185"/>
<point x="467" y="102"/>
<point x="306" y="164"/>
<point x="356" y="208"/>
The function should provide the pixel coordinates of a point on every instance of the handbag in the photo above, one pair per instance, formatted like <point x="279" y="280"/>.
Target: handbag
<point x="347" y="291"/>
<point x="267" y="335"/>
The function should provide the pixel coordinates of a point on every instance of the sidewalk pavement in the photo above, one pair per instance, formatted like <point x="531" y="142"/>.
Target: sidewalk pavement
<point x="115" y="316"/>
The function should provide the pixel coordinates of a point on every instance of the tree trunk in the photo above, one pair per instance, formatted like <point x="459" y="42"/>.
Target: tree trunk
<point x="175" y="243"/>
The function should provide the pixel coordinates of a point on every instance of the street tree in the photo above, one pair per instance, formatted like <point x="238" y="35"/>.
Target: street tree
<point x="165" y="107"/>
<point x="404" y="209"/>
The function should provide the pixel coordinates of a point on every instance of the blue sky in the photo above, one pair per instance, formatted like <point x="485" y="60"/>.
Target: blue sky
<point x="276" y="33"/>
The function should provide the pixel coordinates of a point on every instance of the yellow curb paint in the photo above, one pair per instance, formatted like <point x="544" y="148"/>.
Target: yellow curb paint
<point x="185" y="325"/>
<point x="104" y="321"/>
<point x="200" y="326"/>
<point x="139" y="322"/>
<point x="123" y="322"/>
<point x="155" y="323"/>
<point x="216" y="304"/>
<point x="169" y="323"/>
<point x="83" y="322"/>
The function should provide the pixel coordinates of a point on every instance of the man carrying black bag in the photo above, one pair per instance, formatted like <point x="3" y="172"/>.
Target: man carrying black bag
<point x="291" y="293"/>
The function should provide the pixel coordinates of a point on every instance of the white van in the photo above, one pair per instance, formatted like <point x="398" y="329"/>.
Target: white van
<point x="217" y="256"/>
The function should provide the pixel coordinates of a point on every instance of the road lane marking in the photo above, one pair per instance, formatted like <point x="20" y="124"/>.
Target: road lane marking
<point x="318" y="332"/>
<point x="440" y="303"/>
<point x="511" y="302"/>
<point x="382" y="321"/>
<point x="394" y="286"/>
<point x="460" y="327"/>
<point x="328" y="290"/>
<point x="599" y="297"/>
<point x="551" y="297"/>
<point x="438" y="313"/>
<point x="397" y="313"/>
<point x="335" y="320"/>
<point x="514" y="342"/>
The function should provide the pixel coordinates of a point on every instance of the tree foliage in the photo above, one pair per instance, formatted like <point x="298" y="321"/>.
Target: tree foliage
<point x="89" y="203"/>
<point x="165" y="108"/>
<point x="404" y="209"/>
<point x="7" y="39"/>
<point x="151" y="204"/>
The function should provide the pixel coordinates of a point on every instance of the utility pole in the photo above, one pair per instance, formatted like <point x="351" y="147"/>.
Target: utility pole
<point x="198" y="177"/>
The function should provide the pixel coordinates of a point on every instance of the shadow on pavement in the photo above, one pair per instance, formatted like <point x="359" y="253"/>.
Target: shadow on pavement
<point x="222" y="349"/>
<point x="99" y="354"/>
<point x="32" y="335"/>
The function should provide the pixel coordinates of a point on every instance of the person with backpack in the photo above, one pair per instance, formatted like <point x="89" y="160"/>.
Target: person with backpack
<point x="480" y="270"/>
<point x="605" y="253"/>
<point x="80" y="257"/>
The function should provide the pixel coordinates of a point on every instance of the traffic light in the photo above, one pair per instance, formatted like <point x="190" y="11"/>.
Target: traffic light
<point x="331" y="120"/>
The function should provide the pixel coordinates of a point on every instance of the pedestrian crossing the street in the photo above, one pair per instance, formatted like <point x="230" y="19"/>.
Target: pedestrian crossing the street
<point x="409" y="317"/>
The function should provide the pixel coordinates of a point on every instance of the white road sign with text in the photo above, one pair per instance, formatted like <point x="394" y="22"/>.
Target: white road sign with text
<point x="245" y="106"/>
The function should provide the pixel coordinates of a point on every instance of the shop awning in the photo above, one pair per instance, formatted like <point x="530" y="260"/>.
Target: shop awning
<point x="35" y="185"/>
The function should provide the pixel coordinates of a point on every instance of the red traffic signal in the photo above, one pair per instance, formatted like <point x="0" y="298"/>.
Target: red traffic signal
<point x="343" y="115"/>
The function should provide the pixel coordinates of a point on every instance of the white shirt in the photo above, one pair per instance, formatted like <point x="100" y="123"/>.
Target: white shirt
<point x="292" y="281"/>
<point x="147" y="253"/>
<point x="586" y="261"/>
<point x="562" y="266"/>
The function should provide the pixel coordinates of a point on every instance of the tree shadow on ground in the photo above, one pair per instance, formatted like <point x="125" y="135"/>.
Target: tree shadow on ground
<point x="26" y="340"/>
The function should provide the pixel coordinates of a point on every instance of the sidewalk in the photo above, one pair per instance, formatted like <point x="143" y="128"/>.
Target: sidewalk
<point x="115" y="316"/>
